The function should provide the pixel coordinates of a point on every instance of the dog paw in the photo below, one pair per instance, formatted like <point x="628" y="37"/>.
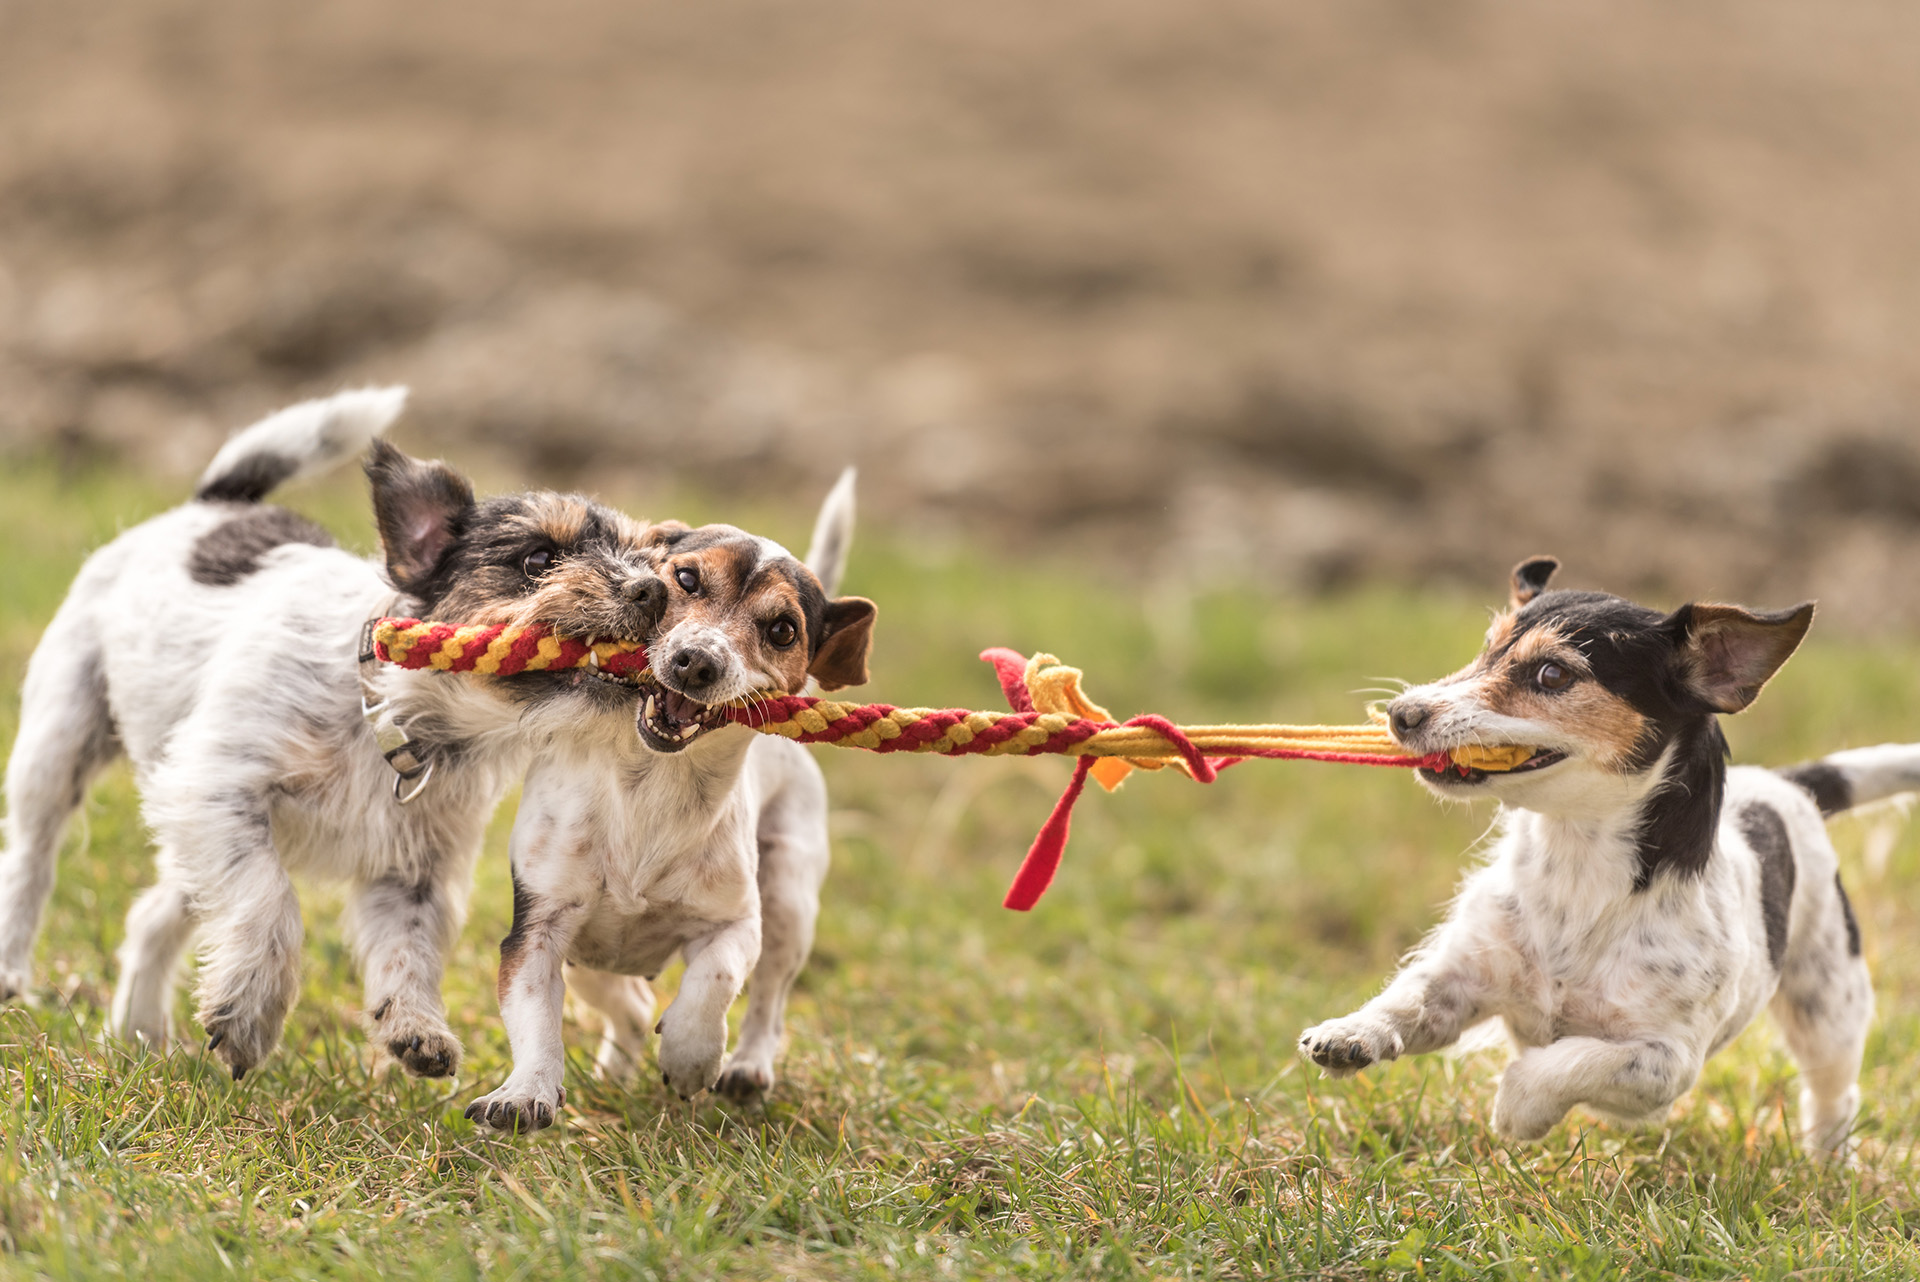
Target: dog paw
<point x="13" y="982"/>
<point x="1345" y="1046"/>
<point x="518" y="1107"/>
<point x="427" y="1054"/>
<point x="1522" y="1115"/>
<point x="744" y="1080"/>
<point x="239" y="1039"/>
<point x="690" y="1054"/>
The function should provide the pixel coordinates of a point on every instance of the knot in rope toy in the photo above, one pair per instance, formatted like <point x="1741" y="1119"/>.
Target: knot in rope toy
<point x="1050" y="714"/>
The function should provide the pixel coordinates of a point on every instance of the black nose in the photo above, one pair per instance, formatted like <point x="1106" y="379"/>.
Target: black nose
<point x="648" y="594"/>
<point x="696" y="669"/>
<point x="1407" y="715"/>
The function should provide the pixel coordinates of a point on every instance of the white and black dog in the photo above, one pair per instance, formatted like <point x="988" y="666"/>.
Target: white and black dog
<point x="1644" y="901"/>
<point x="222" y="646"/>
<point x="697" y="836"/>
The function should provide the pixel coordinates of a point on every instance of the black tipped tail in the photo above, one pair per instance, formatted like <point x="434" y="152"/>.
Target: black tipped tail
<point x="305" y="438"/>
<point x="1858" y="777"/>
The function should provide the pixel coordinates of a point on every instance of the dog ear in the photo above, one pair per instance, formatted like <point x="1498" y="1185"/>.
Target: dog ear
<point x="1530" y="579"/>
<point x="664" y="534"/>
<point x="1726" y="653"/>
<point x="420" y="508"/>
<point x="841" y="659"/>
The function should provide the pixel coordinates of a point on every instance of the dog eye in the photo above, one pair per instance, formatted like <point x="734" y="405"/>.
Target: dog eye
<point x="781" y="633"/>
<point x="537" y="563"/>
<point x="1551" y="676"/>
<point x="687" y="578"/>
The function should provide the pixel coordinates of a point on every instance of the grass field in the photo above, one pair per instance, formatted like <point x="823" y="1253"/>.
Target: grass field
<point x="1103" y="1088"/>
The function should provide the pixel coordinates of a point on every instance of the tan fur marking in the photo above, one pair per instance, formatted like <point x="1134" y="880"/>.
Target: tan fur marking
<point x="1586" y="711"/>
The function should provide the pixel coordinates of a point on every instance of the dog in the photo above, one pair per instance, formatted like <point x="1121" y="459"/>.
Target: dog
<point x="1643" y="901"/>
<point x="224" y="647"/>
<point x="696" y="836"/>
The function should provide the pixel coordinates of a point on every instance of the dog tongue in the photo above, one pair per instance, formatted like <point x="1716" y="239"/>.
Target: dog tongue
<point x="680" y="708"/>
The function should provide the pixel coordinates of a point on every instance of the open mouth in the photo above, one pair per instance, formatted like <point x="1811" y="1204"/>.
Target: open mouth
<point x="1461" y="775"/>
<point x="669" y="720"/>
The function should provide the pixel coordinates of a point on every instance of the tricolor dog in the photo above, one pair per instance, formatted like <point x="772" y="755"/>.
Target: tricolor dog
<point x="1643" y="901"/>
<point x="695" y="836"/>
<point x="222" y="647"/>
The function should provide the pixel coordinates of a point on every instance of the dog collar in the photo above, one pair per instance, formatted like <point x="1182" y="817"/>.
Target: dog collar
<point x="412" y="763"/>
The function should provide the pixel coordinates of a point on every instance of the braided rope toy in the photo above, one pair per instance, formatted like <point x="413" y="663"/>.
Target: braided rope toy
<point x="1050" y="714"/>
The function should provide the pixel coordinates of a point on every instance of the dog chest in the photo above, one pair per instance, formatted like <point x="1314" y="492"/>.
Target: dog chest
<point x="637" y="944"/>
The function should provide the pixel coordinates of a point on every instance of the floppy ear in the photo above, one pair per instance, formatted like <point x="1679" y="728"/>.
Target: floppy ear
<point x="1727" y="653"/>
<point x="664" y="534"/>
<point x="1530" y="579"/>
<point x="841" y="659"/>
<point x="420" y="507"/>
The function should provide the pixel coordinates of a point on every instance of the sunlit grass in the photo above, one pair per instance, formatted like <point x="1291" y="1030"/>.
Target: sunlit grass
<point x="1104" y="1087"/>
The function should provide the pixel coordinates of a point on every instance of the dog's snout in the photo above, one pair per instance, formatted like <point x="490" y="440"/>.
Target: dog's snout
<point x="1407" y="715"/>
<point x="695" y="669"/>
<point x="647" y="594"/>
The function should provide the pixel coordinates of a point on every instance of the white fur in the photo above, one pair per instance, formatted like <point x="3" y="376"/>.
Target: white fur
<point x="833" y="535"/>
<point x="623" y="857"/>
<point x="239" y="706"/>
<point x="315" y="435"/>
<point x="1614" y="996"/>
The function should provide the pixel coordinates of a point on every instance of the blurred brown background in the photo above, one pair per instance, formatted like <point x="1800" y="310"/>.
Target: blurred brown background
<point x="1307" y="292"/>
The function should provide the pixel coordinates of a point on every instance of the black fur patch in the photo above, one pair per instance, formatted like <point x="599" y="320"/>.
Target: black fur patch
<point x="230" y="551"/>
<point x="515" y="944"/>
<point x="1846" y="911"/>
<point x="248" y="481"/>
<point x="1830" y="788"/>
<point x="1766" y="832"/>
<point x="1635" y="653"/>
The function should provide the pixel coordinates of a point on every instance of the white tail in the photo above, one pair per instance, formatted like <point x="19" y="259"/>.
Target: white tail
<point x="833" y="535"/>
<point x="298" y="441"/>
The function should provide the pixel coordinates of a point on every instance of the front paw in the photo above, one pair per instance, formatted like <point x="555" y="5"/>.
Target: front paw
<point x="1345" y="1046"/>
<point x="427" y="1054"/>
<point x="239" y="1038"/>
<point x="519" y="1106"/>
<point x="690" y="1053"/>
<point x="418" y="1039"/>
<point x="747" y="1078"/>
<point x="13" y="982"/>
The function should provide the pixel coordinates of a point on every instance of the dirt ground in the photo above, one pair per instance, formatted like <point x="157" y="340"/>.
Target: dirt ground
<point x="1303" y="292"/>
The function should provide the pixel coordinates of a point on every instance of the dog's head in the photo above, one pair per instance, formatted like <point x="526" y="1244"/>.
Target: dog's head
<point x="578" y="566"/>
<point x="1602" y="690"/>
<point x="742" y="615"/>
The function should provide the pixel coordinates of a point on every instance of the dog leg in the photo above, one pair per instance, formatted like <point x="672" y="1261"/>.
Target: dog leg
<point x="1628" y="1080"/>
<point x="792" y="865"/>
<point x="1442" y="992"/>
<point x="693" y="1032"/>
<point x="250" y="957"/>
<point x="533" y="995"/>
<point x="158" y="928"/>
<point x="401" y="933"/>
<point x="625" y="1006"/>
<point x="66" y="735"/>
<point x="1824" y="1005"/>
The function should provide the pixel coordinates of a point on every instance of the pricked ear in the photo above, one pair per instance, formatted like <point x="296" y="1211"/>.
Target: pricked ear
<point x="420" y="508"/>
<point x="1530" y="579"/>
<point x="841" y="659"/>
<point x="1727" y="653"/>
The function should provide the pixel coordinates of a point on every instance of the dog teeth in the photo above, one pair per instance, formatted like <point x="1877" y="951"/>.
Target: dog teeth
<point x="649" y="712"/>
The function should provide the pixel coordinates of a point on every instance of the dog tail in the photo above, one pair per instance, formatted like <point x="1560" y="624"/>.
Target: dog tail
<point x="833" y="535"/>
<point x="1858" y="776"/>
<point x="298" y="441"/>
